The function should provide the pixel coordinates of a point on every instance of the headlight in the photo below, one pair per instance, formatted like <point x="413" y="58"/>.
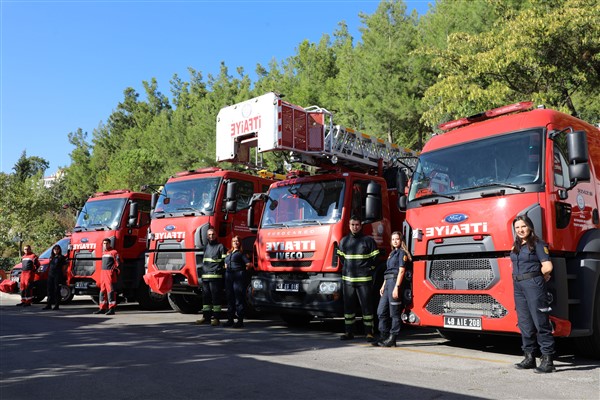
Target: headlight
<point x="327" y="287"/>
<point x="257" y="284"/>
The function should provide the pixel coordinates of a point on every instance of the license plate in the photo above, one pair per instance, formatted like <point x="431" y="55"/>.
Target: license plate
<point x="287" y="287"/>
<point x="473" y="323"/>
<point x="81" y="285"/>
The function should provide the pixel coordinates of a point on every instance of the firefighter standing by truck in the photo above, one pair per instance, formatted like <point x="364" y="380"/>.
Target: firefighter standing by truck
<point x="358" y="255"/>
<point x="56" y="277"/>
<point x="236" y="264"/>
<point x="211" y="273"/>
<point x="108" y="279"/>
<point x="531" y="269"/>
<point x="30" y="264"/>
<point x="390" y="305"/>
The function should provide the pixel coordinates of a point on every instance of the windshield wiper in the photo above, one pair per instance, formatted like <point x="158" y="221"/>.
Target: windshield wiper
<point x="309" y="221"/>
<point x="194" y="210"/>
<point x="313" y="221"/>
<point x="276" y="225"/>
<point x="99" y="227"/>
<point x="430" y="195"/>
<point x="496" y="184"/>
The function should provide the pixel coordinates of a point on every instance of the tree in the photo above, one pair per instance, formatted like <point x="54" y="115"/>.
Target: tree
<point x="80" y="180"/>
<point x="26" y="167"/>
<point x="548" y="52"/>
<point x="387" y="86"/>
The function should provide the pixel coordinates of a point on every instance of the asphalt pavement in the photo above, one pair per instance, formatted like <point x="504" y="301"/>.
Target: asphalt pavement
<point x="138" y="354"/>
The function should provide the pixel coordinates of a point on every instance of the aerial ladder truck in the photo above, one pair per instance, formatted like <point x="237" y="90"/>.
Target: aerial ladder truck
<point x="298" y="273"/>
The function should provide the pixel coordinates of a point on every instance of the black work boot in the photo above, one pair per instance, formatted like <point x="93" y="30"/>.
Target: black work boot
<point x="527" y="363"/>
<point x="382" y="338"/>
<point x="347" y="336"/>
<point x="390" y="341"/>
<point x="546" y="365"/>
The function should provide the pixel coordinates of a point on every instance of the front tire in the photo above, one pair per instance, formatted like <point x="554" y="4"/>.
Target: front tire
<point x="185" y="303"/>
<point x="66" y="294"/>
<point x="148" y="300"/>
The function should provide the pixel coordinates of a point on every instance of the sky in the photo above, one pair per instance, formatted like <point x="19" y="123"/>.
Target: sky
<point x="65" y="64"/>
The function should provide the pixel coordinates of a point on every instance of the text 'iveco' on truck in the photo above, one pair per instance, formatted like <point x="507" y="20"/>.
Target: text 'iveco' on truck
<point x="306" y="215"/>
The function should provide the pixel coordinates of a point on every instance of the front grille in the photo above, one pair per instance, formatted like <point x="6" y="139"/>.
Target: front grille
<point x="461" y="274"/>
<point x="295" y="264"/>
<point x="167" y="258"/>
<point x="84" y="265"/>
<point x="480" y="305"/>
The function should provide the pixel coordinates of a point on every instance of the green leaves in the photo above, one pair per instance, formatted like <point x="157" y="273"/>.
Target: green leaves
<point x="403" y="76"/>
<point x="546" y="52"/>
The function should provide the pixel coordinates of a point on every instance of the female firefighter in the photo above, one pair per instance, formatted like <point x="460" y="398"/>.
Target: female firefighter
<point x="390" y="304"/>
<point x="531" y="270"/>
<point x="236" y="264"/>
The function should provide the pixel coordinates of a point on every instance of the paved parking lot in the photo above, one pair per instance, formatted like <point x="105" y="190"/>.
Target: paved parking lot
<point x="161" y="355"/>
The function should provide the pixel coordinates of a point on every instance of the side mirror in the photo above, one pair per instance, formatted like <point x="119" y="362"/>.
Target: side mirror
<point x="153" y="200"/>
<point x="273" y="204"/>
<point x="256" y="197"/>
<point x="402" y="202"/>
<point x="579" y="168"/>
<point x="231" y="196"/>
<point x="133" y="214"/>
<point x="373" y="202"/>
<point x="401" y="180"/>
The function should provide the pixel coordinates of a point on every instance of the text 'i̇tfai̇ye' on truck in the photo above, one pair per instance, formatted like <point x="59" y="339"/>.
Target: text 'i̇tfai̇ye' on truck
<point x="123" y="217"/>
<point x="298" y="273"/>
<point x="469" y="185"/>
<point x="188" y="204"/>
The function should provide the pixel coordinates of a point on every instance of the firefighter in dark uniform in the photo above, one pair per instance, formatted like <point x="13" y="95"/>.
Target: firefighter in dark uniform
<point x="29" y="265"/>
<point x="211" y="273"/>
<point x="56" y="276"/>
<point x="531" y="270"/>
<point x="236" y="264"/>
<point x="389" y="310"/>
<point x="357" y="255"/>
<point x="108" y="279"/>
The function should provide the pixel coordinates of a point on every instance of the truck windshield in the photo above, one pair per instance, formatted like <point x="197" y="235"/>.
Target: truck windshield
<point x="309" y="203"/>
<point x="505" y="161"/>
<point x="101" y="214"/>
<point x="189" y="195"/>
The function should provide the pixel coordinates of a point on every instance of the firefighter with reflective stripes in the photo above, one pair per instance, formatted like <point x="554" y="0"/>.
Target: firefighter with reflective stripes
<point x="211" y="273"/>
<point x="30" y="264"/>
<point x="108" y="279"/>
<point x="358" y="254"/>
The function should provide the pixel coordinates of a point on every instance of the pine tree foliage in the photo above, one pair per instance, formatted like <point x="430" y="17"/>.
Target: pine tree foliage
<point x="402" y="76"/>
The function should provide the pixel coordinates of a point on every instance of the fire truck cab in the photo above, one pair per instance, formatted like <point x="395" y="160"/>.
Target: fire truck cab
<point x="123" y="217"/>
<point x="298" y="273"/>
<point x="184" y="209"/>
<point x="469" y="184"/>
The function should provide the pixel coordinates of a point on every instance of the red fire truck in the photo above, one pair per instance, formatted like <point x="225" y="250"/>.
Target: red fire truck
<point x="122" y="216"/>
<point x="469" y="185"/>
<point x="306" y="215"/>
<point x="188" y="204"/>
